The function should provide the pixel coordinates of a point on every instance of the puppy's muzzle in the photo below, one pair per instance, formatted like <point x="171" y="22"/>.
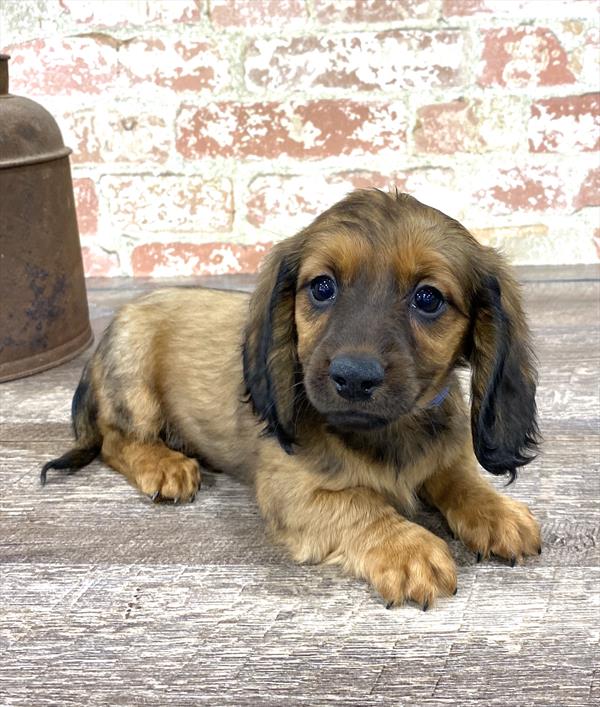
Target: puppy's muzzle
<point x="356" y="377"/>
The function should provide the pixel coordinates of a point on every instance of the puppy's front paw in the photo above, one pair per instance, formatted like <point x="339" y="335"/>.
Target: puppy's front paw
<point x="498" y="525"/>
<point x="172" y="477"/>
<point x="411" y="565"/>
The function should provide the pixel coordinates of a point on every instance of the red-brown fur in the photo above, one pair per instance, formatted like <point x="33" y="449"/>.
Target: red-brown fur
<point x="182" y="374"/>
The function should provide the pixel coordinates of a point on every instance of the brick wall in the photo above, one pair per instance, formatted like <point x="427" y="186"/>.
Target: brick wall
<point x="205" y="130"/>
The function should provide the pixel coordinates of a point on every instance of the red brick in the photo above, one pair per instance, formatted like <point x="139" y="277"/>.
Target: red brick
<point x="589" y="192"/>
<point x="522" y="189"/>
<point x="286" y="203"/>
<point x="447" y="128"/>
<point x="283" y="204"/>
<point x="93" y="65"/>
<point x="463" y="8"/>
<point x="569" y="124"/>
<point x="372" y="10"/>
<point x="86" y="203"/>
<point x="122" y="133"/>
<point x="183" y="65"/>
<point x="319" y="128"/>
<point x="530" y="244"/>
<point x="169" y="203"/>
<point x="98" y="262"/>
<point x="363" y="60"/>
<point x="365" y="179"/>
<point x="523" y="56"/>
<point x="79" y="133"/>
<point x="440" y="188"/>
<point x="181" y="259"/>
<point x="435" y="186"/>
<point x="500" y="237"/>
<point x="257" y="13"/>
<point x="582" y="40"/>
<point x="525" y="9"/>
<point x="63" y="66"/>
<point x="122" y="13"/>
<point x="470" y="126"/>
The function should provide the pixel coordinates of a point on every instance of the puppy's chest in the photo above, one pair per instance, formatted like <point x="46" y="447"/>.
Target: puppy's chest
<point x="396" y="463"/>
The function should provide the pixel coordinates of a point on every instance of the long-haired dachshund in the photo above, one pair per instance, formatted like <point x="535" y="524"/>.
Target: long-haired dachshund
<point x="333" y="389"/>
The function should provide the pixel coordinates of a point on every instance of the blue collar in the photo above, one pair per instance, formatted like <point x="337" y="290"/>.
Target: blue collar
<point x="439" y="398"/>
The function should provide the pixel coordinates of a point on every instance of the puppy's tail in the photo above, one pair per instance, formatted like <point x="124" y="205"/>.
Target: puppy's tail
<point x="84" y="412"/>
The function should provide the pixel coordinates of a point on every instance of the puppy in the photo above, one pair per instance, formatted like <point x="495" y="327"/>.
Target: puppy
<point x="333" y="389"/>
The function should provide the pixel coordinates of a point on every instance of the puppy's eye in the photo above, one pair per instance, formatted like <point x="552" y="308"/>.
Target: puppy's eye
<point x="323" y="289"/>
<point x="428" y="301"/>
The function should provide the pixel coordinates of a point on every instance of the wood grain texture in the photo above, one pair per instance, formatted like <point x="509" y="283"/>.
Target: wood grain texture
<point x="107" y="599"/>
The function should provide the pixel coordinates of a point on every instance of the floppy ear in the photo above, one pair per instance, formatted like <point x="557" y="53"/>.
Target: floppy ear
<point x="503" y="378"/>
<point x="270" y="359"/>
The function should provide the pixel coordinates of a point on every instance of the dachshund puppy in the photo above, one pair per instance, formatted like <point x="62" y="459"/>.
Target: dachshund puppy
<point x="333" y="389"/>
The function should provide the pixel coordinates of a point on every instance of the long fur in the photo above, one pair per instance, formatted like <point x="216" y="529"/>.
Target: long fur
<point x="275" y="340"/>
<point x="247" y="386"/>
<point x="505" y="429"/>
<point x="87" y="435"/>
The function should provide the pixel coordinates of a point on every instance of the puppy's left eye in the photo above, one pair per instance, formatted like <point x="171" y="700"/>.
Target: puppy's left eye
<point x="428" y="301"/>
<point x="323" y="289"/>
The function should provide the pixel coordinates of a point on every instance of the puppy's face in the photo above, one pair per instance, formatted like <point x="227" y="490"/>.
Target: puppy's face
<point x="381" y="311"/>
<point x="366" y="312"/>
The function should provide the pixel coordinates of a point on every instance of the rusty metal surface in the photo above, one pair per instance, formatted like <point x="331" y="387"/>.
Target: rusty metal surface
<point x="43" y="306"/>
<point x="4" y="74"/>
<point x="28" y="133"/>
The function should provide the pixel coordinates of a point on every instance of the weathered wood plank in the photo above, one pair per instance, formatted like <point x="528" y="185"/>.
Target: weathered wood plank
<point x="106" y="598"/>
<point x="114" y="634"/>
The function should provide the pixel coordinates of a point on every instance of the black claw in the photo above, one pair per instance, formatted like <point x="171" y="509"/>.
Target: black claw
<point x="193" y="498"/>
<point x="513" y="561"/>
<point x="454" y="592"/>
<point x="426" y="605"/>
<point x="479" y="557"/>
<point x="389" y="605"/>
<point x="540" y="550"/>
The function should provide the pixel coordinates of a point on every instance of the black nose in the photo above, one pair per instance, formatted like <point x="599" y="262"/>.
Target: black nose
<point x="356" y="377"/>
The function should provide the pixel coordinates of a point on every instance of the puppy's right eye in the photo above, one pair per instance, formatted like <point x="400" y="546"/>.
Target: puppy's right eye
<point x="323" y="289"/>
<point x="428" y="301"/>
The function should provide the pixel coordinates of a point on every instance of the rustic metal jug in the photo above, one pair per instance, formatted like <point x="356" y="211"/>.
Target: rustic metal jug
<point x="44" y="318"/>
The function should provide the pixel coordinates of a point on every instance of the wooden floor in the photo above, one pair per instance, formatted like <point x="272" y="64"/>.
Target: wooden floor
<point x="108" y="599"/>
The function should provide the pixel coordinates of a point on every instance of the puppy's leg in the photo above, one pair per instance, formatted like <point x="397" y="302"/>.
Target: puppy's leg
<point x="130" y="413"/>
<point x="486" y="521"/>
<point x="357" y="529"/>
<point x="151" y="466"/>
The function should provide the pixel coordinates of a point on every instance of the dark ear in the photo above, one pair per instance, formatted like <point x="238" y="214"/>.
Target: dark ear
<point x="270" y="359"/>
<point x="503" y="380"/>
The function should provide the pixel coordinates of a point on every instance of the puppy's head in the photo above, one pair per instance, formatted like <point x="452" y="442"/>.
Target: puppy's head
<point x="364" y="314"/>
